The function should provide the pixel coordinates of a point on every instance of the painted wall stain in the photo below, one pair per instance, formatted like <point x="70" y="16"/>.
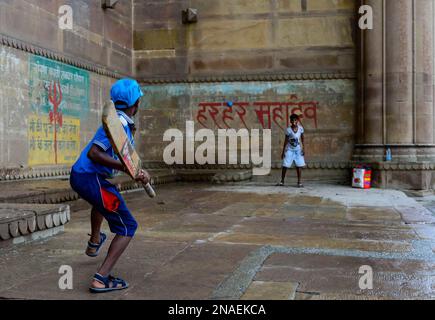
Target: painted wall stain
<point x="268" y="113"/>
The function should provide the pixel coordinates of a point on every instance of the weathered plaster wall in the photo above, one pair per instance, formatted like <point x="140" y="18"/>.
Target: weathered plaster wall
<point x="326" y="107"/>
<point x="53" y="78"/>
<point x="28" y="117"/>
<point x="243" y="37"/>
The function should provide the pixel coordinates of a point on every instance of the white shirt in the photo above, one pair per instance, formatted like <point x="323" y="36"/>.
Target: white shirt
<point x="294" y="138"/>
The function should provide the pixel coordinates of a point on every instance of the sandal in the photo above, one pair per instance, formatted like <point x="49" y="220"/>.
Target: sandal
<point x="300" y="185"/>
<point x="280" y="184"/>
<point x="110" y="284"/>
<point x="96" y="246"/>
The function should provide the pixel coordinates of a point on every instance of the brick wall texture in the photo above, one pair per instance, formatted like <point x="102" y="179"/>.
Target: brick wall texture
<point x="147" y="40"/>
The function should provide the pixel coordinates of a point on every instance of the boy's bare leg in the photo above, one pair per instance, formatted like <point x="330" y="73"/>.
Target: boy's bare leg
<point x="117" y="247"/>
<point x="284" y="171"/>
<point x="96" y="221"/>
<point x="299" y="172"/>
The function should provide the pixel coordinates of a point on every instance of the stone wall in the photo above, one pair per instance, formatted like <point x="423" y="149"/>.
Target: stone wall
<point x="326" y="108"/>
<point x="281" y="56"/>
<point x="29" y="84"/>
<point x="243" y="37"/>
<point x="99" y="37"/>
<point x="51" y="77"/>
<point x="102" y="38"/>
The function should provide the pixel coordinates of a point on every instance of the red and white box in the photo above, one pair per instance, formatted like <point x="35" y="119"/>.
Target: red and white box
<point x="362" y="178"/>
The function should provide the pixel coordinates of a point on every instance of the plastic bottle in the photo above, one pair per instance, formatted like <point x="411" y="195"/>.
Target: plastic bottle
<point x="388" y="156"/>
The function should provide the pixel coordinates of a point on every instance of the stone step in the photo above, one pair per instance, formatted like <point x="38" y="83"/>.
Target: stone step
<point x="31" y="210"/>
<point x="214" y="176"/>
<point x="53" y="191"/>
<point x="232" y="176"/>
<point x="19" y="220"/>
<point x="336" y="176"/>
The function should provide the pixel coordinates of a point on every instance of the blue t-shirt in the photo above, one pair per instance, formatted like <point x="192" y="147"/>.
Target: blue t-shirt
<point x="86" y="165"/>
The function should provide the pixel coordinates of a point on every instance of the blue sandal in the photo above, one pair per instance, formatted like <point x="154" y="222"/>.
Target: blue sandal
<point x="96" y="246"/>
<point x="110" y="282"/>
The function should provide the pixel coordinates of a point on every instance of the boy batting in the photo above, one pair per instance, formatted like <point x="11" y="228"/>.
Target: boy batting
<point x="89" y="174"/>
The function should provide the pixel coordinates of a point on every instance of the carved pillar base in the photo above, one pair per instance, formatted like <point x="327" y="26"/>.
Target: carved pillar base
<point x="400" y="153"/>
<point x="411" y="176"/>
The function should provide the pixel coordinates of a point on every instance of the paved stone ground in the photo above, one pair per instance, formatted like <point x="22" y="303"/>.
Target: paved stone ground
<point x="198" y="241"/>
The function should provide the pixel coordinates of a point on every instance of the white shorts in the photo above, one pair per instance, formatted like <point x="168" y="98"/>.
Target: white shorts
<point x="291" y="156"/>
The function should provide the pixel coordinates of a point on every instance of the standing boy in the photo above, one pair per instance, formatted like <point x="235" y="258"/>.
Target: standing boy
<point x="293" y="150"/>
<point x="96" y="163"/>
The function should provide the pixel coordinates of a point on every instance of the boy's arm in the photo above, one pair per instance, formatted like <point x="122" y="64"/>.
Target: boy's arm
<point x="97" y="154"/>
<point x="303" y="145"/>
<point x="283" y="148"/>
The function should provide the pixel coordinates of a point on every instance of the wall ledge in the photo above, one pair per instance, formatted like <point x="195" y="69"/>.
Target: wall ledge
<point x="308" y="76"/>
<point x="10" y="174"/>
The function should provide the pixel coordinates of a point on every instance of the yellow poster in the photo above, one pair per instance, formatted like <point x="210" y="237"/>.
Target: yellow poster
<point x="50" y="146"/>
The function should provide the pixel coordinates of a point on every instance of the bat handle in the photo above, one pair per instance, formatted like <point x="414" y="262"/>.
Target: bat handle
<point x="149" y="190"/>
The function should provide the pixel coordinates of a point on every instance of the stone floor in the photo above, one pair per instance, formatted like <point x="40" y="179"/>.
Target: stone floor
<point x="198" y="241"/>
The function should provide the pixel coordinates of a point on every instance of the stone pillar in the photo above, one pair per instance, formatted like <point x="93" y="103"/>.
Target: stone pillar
<point x="424" y="70"/>
<point x="396" y="93"/>
<point x="371" y="85"/>
<point x="399" y="71"/>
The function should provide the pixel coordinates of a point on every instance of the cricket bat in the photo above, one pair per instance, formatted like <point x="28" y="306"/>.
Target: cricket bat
<point x="121" y="144"/>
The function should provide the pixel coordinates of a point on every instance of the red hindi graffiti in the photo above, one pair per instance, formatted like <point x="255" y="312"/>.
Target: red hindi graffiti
<point x="241" y="112"/>
<point x="201" y="116"/>
<point x="267" y="113"/>
<point x="219" y="111"/>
